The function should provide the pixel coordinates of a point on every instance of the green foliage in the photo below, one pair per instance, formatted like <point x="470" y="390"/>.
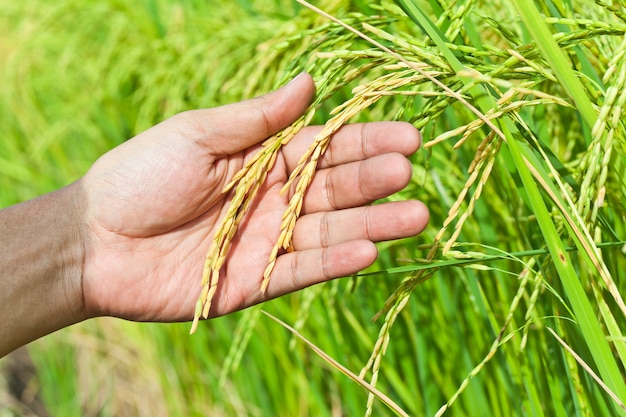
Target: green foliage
<point x="526" y="198"/>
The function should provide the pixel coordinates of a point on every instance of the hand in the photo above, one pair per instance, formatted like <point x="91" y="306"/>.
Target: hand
<point x="151" y="207"/>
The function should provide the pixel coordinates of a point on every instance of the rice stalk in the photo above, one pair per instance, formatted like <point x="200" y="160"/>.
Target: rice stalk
<point x="250" y="181"/>
<point x="530" y="312"/>
<point x="485" y="164"/>
<point x="590" y="371"/>
<point x="303" y="173"/>
<point x="380" y="347"/>
<point x="371" y="388"/>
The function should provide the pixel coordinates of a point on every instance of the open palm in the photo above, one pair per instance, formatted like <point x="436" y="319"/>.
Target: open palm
<point x="152" y="206"/>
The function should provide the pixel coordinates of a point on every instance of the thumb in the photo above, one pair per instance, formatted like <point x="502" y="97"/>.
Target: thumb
<point x="234" y="127"/>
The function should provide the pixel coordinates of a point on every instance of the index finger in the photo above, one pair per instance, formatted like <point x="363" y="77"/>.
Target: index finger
<point x="356" y="142"/>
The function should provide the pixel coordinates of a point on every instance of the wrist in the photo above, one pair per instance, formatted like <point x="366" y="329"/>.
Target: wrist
<point x="73" y="252"/>
<point x="42" y="256"/>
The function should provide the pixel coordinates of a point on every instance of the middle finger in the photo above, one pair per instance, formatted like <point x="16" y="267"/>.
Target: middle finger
<point x="357" y="183"/>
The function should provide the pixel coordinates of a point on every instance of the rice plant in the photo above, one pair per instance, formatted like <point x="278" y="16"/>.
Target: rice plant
<point x="509" y="304"/>
<point x="509" y="82"/>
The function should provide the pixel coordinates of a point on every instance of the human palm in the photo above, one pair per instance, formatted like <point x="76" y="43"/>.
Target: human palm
<point x="151" y="207"/>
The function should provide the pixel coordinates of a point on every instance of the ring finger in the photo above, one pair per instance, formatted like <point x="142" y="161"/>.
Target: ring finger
<point x="376" y="223"/>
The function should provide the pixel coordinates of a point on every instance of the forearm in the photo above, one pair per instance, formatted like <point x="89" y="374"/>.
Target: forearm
<point x="40" y="268"/>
